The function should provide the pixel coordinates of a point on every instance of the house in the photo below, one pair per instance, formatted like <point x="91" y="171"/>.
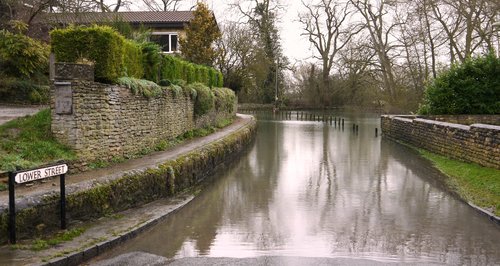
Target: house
<point x="165" y="26"/>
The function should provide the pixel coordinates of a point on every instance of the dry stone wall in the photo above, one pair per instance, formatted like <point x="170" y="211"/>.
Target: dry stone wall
<point x="477" y="143"/>
<point x="102" y="121"/>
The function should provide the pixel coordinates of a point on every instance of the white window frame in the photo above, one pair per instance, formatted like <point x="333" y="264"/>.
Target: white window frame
<point x="156" y="33"/>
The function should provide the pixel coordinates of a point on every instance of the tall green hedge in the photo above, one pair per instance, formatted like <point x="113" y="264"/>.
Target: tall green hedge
<point x="100" y="44"/>
<point x="151" y="61"/>
<point x="175" y="68"/>
<point x="469" y="88"/>
<point x="114" y="57"/>
<point x="132" y="59"/>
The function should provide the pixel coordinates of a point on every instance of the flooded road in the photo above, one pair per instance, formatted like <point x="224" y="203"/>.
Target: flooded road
<point x="313" y="189"/>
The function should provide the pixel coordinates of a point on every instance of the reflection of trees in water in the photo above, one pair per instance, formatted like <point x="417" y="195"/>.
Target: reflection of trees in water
<point x="356" y="193"/>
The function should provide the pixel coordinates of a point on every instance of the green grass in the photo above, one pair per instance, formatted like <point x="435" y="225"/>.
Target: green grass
<point x="28" y="142"/>
<point x="41" y="244"/>
<point x="474" y="183"/>
<point x="223" y="123"/>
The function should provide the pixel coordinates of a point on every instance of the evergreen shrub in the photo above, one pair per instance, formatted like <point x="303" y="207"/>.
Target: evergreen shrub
<point x="141" y="86"/>
<point x="22" y="56"/>
<point x="225" y="99"/>
<point x="23" y="91"/>
<point x="132" y="59"/>
<point x="204" y="100"/>
<point x="174" y="68"/>
<point x="114" y="57"/>
<point x="151" y="61"/>
<point x="469" y="88"/>
<point x="100" y="44"/>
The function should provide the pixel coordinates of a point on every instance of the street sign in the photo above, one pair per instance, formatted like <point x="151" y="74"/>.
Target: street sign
<point x="32" y="175"/>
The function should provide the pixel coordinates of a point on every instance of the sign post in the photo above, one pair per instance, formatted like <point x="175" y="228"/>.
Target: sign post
<point x="12" y="210"/>
<point x="32" y="175"/>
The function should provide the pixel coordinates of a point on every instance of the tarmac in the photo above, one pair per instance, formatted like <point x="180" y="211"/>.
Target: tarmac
<point x="142" y="258"/>
<point x="102" y="234"/>
<point x="10" y="112"/>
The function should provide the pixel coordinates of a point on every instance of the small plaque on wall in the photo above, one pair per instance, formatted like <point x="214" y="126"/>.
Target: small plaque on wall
<point x="64" y="98"/>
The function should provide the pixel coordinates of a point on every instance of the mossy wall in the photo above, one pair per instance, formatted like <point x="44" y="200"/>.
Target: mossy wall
<point x="107" y="197"/>
<point x="110" y="121"/>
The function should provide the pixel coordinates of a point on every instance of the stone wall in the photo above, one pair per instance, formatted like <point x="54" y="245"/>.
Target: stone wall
<point x="465" y="119"/>
<point x="477" y="143"/>
<point x="38" y="214"/>
<point x="102" y="121"/>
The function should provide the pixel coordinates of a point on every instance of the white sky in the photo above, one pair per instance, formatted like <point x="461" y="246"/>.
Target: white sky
<point x="295" y="46"/>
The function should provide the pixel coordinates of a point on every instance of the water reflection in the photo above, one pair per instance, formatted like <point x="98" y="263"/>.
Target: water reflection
<point x="312" y="189"/>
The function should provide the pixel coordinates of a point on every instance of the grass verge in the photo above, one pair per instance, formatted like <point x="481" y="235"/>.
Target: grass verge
<point x="28" y="142"/>
<point x="477" y="184"/>
<point x="41" y="244"/>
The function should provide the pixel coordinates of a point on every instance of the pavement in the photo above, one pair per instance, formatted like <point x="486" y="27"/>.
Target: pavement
<point x="102" y="234"/>
<point x="10" y="112"/>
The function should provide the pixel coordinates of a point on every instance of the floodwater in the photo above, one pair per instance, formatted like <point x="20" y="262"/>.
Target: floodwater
<point x="313" y="189"/>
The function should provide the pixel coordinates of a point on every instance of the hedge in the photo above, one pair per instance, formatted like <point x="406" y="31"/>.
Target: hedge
<point x="205" y="99"/>
<point x="132" y="59"/>
<point x="100" y="44"/>
<point x="469" y="88"/>
<point x="151" y="61"/>
<point x="225" y="99"/>
<point x="174" y="68"/>
<point x="114" y="57"/>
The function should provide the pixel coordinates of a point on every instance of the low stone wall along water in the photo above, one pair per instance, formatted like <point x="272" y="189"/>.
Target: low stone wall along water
<point x="476" y="143"/>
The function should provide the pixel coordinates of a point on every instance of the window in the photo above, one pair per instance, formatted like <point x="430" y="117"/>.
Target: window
<point x="167" y="40"/>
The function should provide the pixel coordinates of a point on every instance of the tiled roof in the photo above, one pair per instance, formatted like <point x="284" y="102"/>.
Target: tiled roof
<point x="131" y="17"/>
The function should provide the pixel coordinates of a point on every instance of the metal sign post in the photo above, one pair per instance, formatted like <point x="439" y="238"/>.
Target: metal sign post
<point x="12" y="210"/>
<point x="32" y="175"/>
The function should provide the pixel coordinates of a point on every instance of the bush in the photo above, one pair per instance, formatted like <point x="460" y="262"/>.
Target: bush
<point x="220" y="80"/>
<point x="114" y="56"/>
<point x="204" y="101"/>
<point x="23" y="91"/>
<point x="224" y="99"/>
<point x="100" y="44"/>
<point x="470" y="88"/>
<point x="21" y="56"/>
<point x="151" y="61"/>
<point x="132" y="59"/>
<point x="174" y="68"/>
<point x="140" y="86"/>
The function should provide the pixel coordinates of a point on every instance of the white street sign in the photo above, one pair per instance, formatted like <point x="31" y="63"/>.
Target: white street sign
<point x="42" y="173"/>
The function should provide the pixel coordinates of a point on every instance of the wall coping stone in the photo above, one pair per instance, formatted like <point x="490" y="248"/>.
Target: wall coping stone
<point x="74" y="71"/>
<point x="402" y="119"/>
<point x="443" y="124"/>
<point x="485" y="126"/>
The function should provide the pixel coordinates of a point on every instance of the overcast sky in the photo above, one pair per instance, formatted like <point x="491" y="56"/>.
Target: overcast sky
<point x="295" y="46"/>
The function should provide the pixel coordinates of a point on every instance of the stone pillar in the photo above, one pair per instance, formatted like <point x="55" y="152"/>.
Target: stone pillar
<point x="67" y="76"/>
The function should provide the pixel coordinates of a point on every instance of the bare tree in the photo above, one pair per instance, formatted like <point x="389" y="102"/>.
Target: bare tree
<point x="163" y="5"/>
<point x="467" y="25"/>
<point x="325" y="25"/>
<point x="380" y="36"/>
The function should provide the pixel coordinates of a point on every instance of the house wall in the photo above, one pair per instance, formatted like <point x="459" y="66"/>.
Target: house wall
<point x="477" y="143"/>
